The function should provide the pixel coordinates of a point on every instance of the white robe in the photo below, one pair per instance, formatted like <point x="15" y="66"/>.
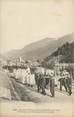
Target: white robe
<point x="32" y="79"/>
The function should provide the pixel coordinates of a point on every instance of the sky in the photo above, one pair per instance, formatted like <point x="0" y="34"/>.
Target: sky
<point x="25" y="21"/>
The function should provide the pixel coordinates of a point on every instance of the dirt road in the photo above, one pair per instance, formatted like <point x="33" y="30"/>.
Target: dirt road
<point x="29" y="94"/>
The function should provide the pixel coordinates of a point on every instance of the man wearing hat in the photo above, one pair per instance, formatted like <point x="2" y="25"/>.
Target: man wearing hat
<point x="52" y="84"/>
<point x="42" y="83"/>
<point x="69" y="84"/>
<point x="62" y="80"/>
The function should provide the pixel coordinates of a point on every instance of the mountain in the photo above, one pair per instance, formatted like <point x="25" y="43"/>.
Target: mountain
<point x="40" y="49"/>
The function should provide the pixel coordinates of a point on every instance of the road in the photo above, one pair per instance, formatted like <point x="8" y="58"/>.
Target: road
<point x="32" y="103"/>
<point x="26" y="93"/>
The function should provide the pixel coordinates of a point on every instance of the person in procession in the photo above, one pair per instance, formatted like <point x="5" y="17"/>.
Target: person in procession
<point x="66" y="81"/>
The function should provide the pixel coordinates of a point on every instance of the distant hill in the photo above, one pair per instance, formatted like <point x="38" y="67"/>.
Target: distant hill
<point x="40" y="49"/>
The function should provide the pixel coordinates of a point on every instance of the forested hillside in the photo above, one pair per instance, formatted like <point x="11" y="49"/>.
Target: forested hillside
<point x="65" y="53"/>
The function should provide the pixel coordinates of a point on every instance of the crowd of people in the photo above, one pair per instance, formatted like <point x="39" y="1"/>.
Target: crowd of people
<point x="44" y="79"/>
<point x="45" y="82"/>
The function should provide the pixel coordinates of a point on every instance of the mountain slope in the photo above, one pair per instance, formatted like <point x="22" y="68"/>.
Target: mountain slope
<point x="42" y="48"/>
<point x="64" y="54"/>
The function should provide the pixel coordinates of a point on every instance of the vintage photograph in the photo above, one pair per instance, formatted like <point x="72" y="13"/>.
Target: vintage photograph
<point x="36" y="58"/>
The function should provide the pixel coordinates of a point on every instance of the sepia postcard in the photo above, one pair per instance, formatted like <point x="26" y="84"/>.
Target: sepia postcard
<point x="36" y="58"/>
